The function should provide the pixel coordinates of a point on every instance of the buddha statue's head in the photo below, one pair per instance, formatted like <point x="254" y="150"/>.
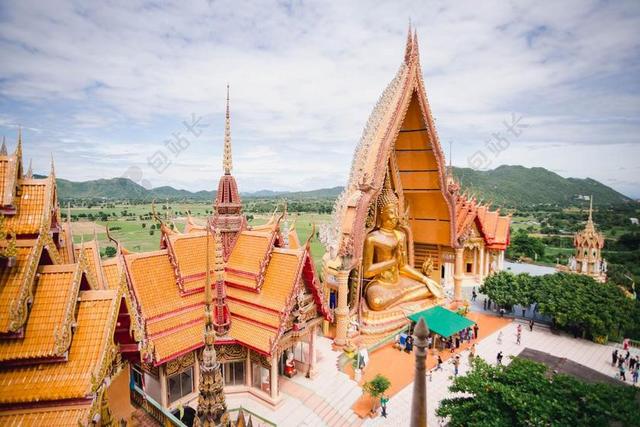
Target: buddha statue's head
<point x="387" y="209"/>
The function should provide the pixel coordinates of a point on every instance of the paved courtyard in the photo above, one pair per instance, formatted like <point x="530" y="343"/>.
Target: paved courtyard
<point x="327" y="399"/>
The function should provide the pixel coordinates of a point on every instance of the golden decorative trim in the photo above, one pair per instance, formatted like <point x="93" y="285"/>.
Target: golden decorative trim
<point x="231" y="352"/>
<point x="180" y="363"/>
<point x="64" y="335"/>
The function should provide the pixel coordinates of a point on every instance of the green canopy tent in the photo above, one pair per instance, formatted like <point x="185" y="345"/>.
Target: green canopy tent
<point x="442" y="321"/>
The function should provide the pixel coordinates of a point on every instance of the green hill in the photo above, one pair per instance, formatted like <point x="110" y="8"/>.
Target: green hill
<point x="513" y="186"/>
<point x="508" y="186"/>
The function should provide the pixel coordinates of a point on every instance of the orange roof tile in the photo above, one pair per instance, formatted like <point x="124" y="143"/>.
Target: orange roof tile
<point x="189" y="251"/>
<point x="250" y="250"/>
<point x="72" y="379"/>
<point x="53" y="304"/>
<point x="179" y="341"/>
<point x="32" y="206"/>
<point x="112" y="273"/>
<point x="154" y="284"/>
<point x="50" y="416"/>
<point x="280" y="278"/>
<point x="15" y="279"/>
<point x="94" y="263"/>
<point x="252" y="334"/>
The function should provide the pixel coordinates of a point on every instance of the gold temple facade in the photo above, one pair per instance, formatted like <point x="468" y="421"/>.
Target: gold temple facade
<point x="450" y="238"/>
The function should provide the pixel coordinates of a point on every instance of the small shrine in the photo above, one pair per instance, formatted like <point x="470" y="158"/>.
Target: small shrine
<point x="588" y="245"/>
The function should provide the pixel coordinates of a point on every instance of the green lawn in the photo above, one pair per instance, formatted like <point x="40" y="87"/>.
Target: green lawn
<point x="130" y="232"/>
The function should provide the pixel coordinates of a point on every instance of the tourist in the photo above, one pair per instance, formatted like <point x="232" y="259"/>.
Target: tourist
<point x="473" y="294"/>
<point x="499" y="358"/>
<point x="518" y="337"/>
<point x="472" y="353"/>
<point x="626" y="357"/>
<point x="475" y="330"/>
<point x="471" y="335"/>
<point x="456" y="365"/>
<point x="625" y="344"/>
<point x="531" y="325"/>
<point x="429" y="341"/>
<point x="635" y="375"/>
<point x="383" y="403"/>
<point x="408" y="344"/>
<point x="632" y="363"/>
<point x="620" y="360"/>
<point x="622" y="373"/>
<point x="614" y="357"/>
<point x="500" y="337"/>
<point x="439" y="366"/>
<point x="457" y="341"/>
<point x="484" y="304"/>
<point x="502" y="311"/>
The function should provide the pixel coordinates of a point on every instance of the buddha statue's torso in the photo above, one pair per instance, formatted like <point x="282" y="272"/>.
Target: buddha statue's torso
<point x="391" y="280"/>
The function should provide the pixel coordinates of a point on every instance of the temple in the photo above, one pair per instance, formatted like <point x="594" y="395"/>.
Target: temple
<point x="588" y="245"/>
<point x="61" y="320"/>
<point x="266" y="308"/>
<point x="402" y="232"/>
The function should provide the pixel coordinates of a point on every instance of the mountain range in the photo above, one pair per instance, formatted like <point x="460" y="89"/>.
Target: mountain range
<point x="509" y="186"/>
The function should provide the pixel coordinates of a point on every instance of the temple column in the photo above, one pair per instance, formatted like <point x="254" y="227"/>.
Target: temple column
<point x="342" y="310"/>
<point x="196" y="372"/>
<point x="312" y="353"/>
<point x="482" y="263"/>
<point x="247" y="370"/>
<point x="458" y="274"/>
<point x="273" y="381"/>
<point x="164" y="398"/>
<point x="476" y="263"/>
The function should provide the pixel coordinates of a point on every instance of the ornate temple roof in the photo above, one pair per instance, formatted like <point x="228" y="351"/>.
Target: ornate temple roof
<point x="88" y="354"/>
<point x="57" y="321"/>
<point x="260" y="278"/>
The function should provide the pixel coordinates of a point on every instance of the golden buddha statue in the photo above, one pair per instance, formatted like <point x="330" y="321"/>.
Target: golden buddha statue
<point x="385" y="262"/>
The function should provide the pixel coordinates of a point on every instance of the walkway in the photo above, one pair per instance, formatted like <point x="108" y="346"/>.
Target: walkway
<point x="581" y="351"/>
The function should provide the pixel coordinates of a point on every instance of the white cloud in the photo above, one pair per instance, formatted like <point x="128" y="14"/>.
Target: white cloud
<point x="109" y="82"/>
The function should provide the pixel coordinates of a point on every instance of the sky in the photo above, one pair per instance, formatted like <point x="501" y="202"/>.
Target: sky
<point x="137" y="89"/>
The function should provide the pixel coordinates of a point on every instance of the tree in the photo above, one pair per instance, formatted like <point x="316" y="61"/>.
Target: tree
<point x="524" y="393"/>
<point x="110" y="251"/>
<point x="376" y="388"/>
<point x="523" y="245"/>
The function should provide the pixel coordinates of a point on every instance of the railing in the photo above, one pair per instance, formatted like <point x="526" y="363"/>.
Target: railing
<point x="153" y="408"/>
<point x="257" y="420"/>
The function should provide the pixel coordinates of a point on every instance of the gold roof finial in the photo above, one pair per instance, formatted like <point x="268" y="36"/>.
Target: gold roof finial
<point x="409" y="47"/>
<point x="29" y="173"/>
<point x="53" y="167"/>
<point x="226" y="157"/>
<point x="19" y="146"/>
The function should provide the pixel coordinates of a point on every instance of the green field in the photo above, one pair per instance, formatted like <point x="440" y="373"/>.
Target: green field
<point x="129" y="230"/>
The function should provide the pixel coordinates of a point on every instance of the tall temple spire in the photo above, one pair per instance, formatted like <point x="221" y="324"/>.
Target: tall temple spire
<point x="590" y="226"/>
<point x="53" y="167"/>
<point x="19" y="146"/>
<point x="226" y="158"/>
<point x="227" y="207"/>
<point x="212" y="408"/>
